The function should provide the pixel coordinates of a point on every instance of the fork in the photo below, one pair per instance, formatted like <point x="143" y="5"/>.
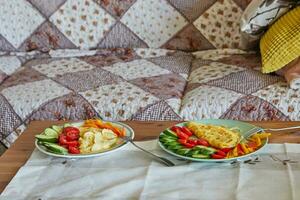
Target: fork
<point x="163" y="160"/>
<point x="258" y="129"/>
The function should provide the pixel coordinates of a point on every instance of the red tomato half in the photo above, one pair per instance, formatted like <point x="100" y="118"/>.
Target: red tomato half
<point x="70" y="128"/>
<point x="73" y="143"/>
<point x="72" y="135"/>
<point x="62" y="139"/>
<point x="74" y="150"/>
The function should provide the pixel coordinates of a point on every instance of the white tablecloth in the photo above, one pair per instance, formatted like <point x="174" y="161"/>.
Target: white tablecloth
<point x="130" y="174"/>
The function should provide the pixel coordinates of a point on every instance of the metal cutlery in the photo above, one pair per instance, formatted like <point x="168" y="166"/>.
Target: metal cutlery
<point x="163" y="160"/>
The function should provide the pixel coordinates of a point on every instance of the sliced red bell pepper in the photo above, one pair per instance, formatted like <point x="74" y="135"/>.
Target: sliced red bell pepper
<point x="217" y="156"/>
<point x="185" y="143"/>
<point x="186" y="131"/>
<point x="240" y="150"/>
<point x="191" y="141"/>
<point x="221" y="153"/>
<point x="226" y="150"/>
<point x="203" y="142"/>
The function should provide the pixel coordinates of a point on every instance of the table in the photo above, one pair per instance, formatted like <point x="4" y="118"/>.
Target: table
<point x="17" y="155"/>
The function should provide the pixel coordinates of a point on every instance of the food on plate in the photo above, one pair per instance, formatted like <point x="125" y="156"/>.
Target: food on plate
<point x="217" y="136"/>
<point x="209" y="141"/>
<point x="93" y="136"/>
<point x="96" y="140"/>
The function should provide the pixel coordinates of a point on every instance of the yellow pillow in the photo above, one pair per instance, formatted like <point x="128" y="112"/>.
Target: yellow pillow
<point x="281" y="43"/>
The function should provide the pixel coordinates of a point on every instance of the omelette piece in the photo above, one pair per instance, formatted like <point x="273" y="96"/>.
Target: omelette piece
<point x="217" y="136"/>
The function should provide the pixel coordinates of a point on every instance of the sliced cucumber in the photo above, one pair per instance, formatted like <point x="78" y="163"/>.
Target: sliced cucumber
<point x="58" y="129"/>
<point x="183" y="151"/>
<point x="170" y="133"/>
<point x="175" y="147"/>
<point x="205" y="150"/>
<point x="171" y="143"/>
<point x="166" y="140"/>
<point x="46" y="138"/>
<point x="55" y="148"/>
<point x="201" y="156"/>
<point x="67" y="125"/>
<point x="51" y="132"/>
<point x="193" y="152"/>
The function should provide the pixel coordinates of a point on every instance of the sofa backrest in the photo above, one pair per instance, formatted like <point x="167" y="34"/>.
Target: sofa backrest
<point x="88" y="24"/>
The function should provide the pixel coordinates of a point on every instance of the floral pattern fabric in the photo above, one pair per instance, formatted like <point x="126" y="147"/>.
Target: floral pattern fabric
<point x="140" y="84"/>
<point x="88" y="24"/>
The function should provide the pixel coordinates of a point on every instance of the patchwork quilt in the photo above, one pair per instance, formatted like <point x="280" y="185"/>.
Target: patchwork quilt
<point x="139" y="84"/>
<point x="131" y="60"/>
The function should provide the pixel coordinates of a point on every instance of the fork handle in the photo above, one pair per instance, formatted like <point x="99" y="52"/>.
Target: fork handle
<point x="161" y="159"/>
<point x="281" y="129"/>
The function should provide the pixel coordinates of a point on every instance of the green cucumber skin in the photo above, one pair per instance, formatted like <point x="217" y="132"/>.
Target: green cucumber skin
<point x="201" y="156"/>
<point x="205" y="150"/>
<point x="50" y="132"/>
<point x="58" y="129"/>
<point x="45" y="138"/>
<point x="183" y="151"/>
<point x="55" y="148"/>
<point x="170" y="133"/>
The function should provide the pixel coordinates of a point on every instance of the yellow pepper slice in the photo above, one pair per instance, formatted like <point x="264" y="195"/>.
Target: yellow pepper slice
<point x="245" y="149"/>
<point x="264" y="135"/>
<point x="235" y="152"/>
<point x="257" y="140"/>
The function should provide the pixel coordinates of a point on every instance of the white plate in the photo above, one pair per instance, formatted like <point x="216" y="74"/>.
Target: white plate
<point x="129" y="132"/>
<point x="244" y="127"/>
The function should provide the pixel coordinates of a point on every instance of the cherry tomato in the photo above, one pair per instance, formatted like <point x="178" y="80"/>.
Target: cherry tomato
<point x="221" y="153"/>
<point x="203" y="142"/>
<point x="72" y="135"/>
<point x="62" y="139"/>
<point x="217" y="156"/>
<point x="186" y="131"/>
<point x="74" y="150"/>
<point x="73" y="143"/>
<point x="194" y="142"/>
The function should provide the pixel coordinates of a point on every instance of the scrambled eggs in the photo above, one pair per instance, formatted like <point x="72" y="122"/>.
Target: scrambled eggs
<point x="217" y="136"/>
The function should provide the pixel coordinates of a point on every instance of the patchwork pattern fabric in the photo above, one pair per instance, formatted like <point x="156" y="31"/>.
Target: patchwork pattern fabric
<point x="225" y="84"/>
<point x="115" y="84"/>
<point x="173" y="24"/>
<point x="139" y="84"/>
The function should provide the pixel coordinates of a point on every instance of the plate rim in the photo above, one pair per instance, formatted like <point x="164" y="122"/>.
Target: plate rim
<point x="75" y="156"/>
<point x="212" y="160"/>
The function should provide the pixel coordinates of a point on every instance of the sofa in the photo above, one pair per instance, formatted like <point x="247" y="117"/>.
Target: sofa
<point x="131" y="60"/>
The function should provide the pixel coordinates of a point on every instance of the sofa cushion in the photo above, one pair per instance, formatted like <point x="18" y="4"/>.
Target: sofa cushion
<point x="116" y="84"/>
<point x="226" y="84"/>
<point x="174" y="24"/>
